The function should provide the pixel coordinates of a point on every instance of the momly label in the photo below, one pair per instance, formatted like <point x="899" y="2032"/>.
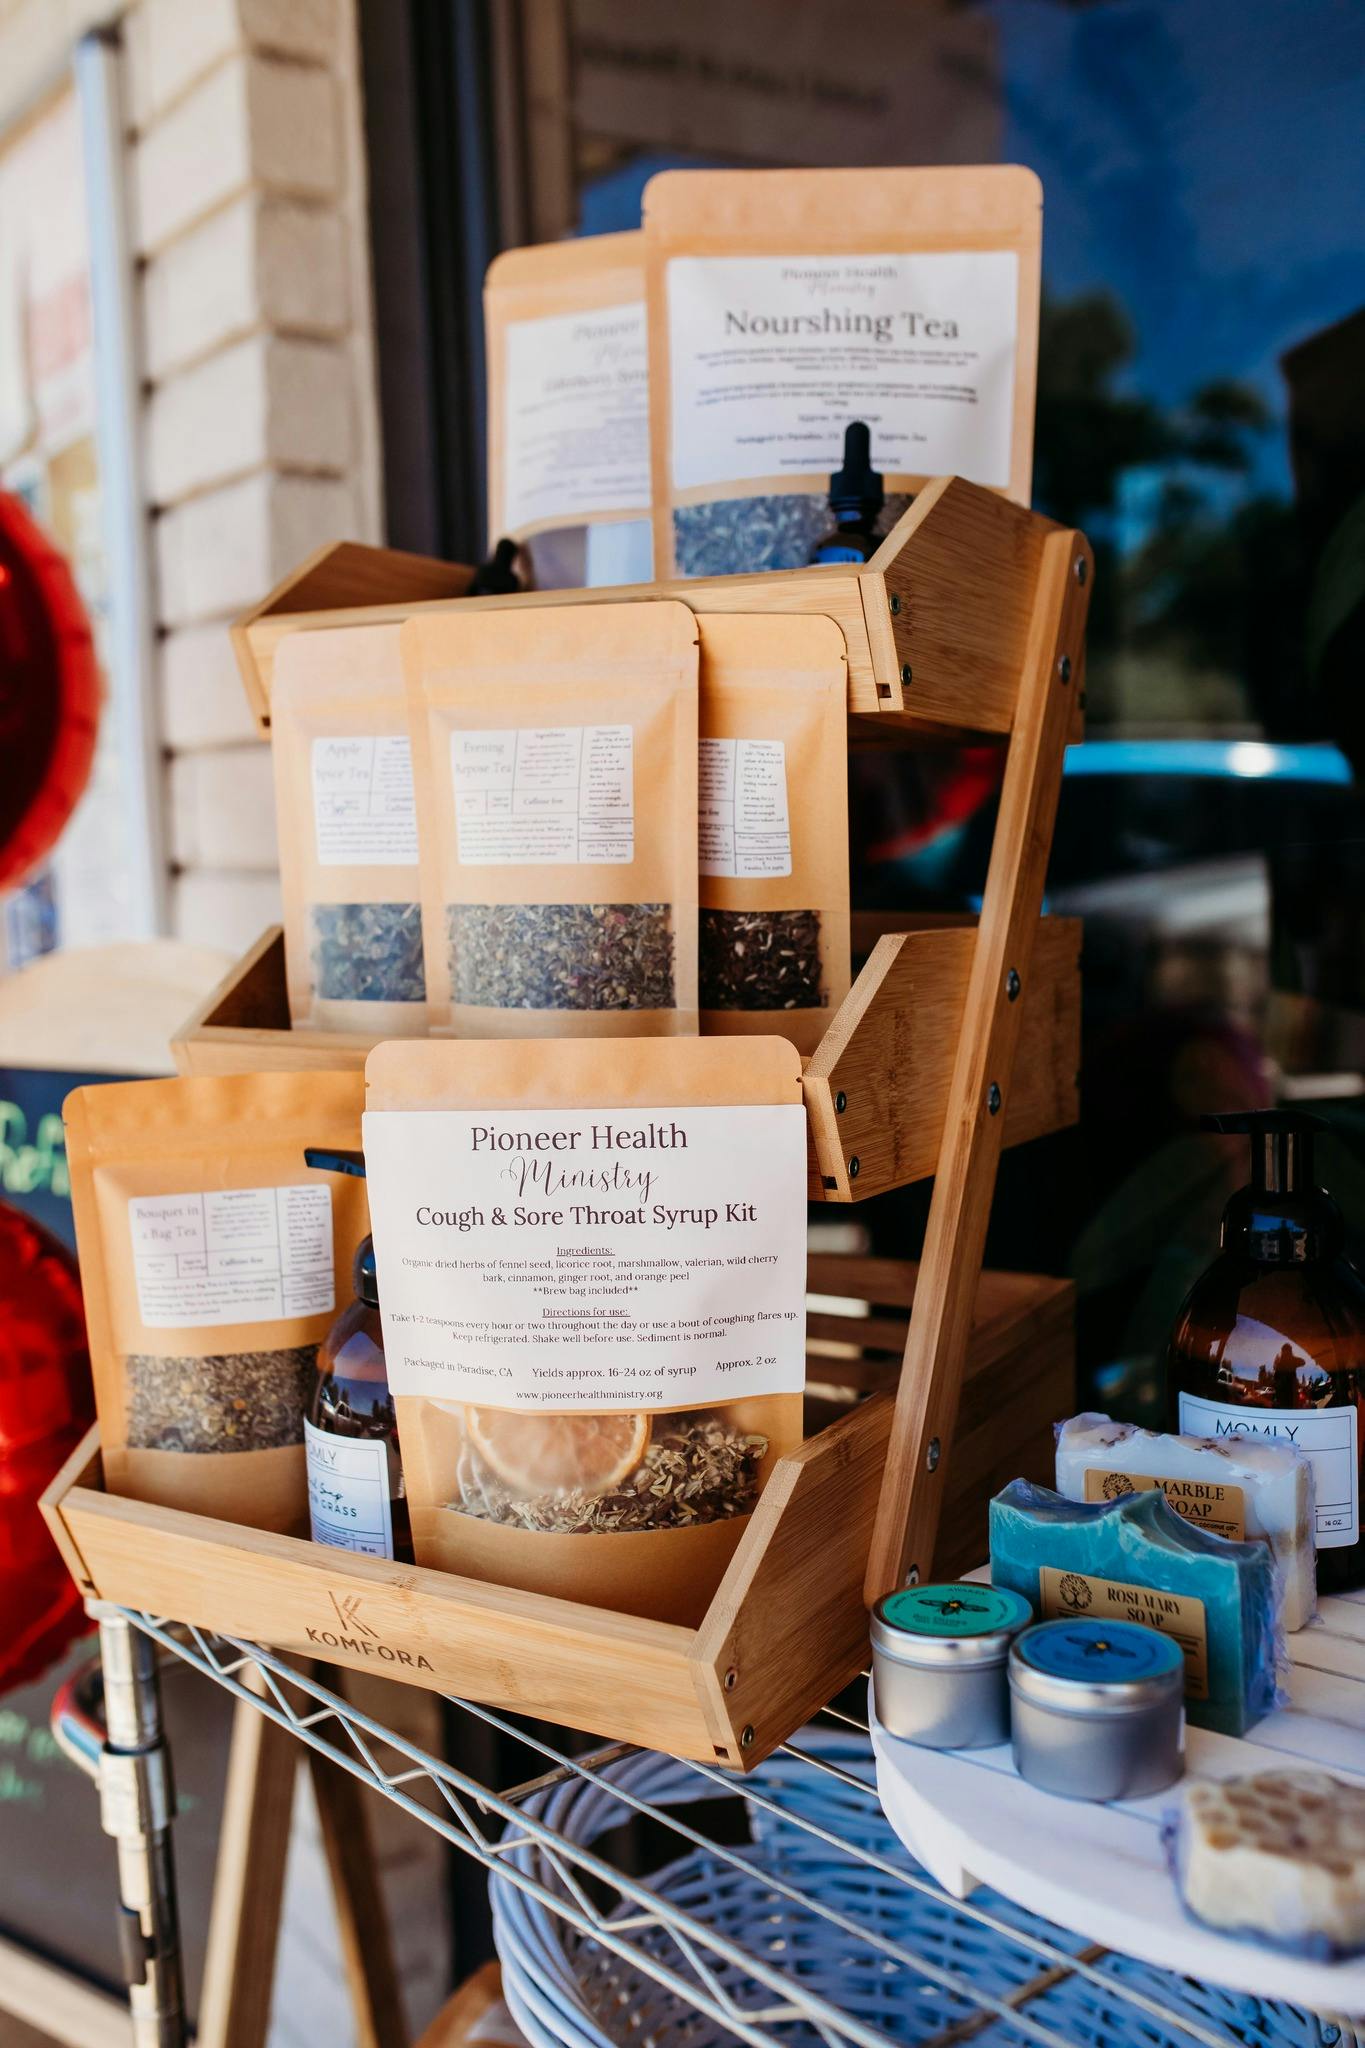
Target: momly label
<point x="364" y="813"/>
<point x="232" y="1255"/>
<point x="743" y="826"/>
<point x="591" y="1259"/>
<point x="1219" y="1508"/>
<point x="545" y="795"/>
<point x="770" y="357"/>
<point x="1327" y="1435"/>
<point x="576" y="417"/>
<point x="1066" y="1596"/>
<point x="348" y="1491"/>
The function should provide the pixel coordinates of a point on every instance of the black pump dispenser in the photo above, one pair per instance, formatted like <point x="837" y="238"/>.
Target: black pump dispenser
<point x="364" y="1272"/>
<point x="856" y="498"/>
<point x="1281" y="1218"/>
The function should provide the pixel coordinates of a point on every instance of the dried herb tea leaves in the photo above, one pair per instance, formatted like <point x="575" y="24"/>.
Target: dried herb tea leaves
<point x="238" y="1401"/>
<point x="759" y="959"/>
<point x="741" y="536"/>
<point x="562" y="956"/>
<point x="696" y="1470"/>
<point x="368" y="952"/>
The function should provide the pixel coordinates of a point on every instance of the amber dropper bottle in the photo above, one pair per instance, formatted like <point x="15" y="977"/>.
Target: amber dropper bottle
<point x="356" y="1496"/>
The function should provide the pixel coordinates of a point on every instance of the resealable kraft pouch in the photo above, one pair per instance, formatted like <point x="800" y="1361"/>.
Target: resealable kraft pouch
<point x="348" y="833"/>
<point x="568" y="409"/>
<point x="591" y="1263"/>
<point x="555" y="763"/>
<point x="210" y="1256"/>
<point x="772" y="835"/>
<point x="785" y="304"/>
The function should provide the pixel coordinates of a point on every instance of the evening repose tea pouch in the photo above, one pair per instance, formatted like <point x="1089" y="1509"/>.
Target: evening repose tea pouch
<point x="210" y="1255"/>
<point x="772" y="839"/>
<point x="555" y="761"/>
<point x="785" y="304"/>
<point x="592" y="1267"/>
<point x="568" y="409"/>
<point x="347" y="833"/>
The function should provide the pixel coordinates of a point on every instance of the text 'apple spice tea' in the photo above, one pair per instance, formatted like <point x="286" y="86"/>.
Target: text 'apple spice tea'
<point x="368" y="952"/>
<point x="562" y="956"/>
<point x="237" y="1401"/>
<point x="696" y="1470"/>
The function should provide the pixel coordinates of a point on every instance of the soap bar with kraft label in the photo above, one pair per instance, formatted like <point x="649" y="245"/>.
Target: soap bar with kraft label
<point x="1135" y="1559"/>
<point x="1239" y="1487"/>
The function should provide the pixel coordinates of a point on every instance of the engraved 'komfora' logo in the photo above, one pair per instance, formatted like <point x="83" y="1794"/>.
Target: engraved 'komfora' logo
<point x="357" y="1636"/>
<point x="1116" y="1485"/>
<point x="1074" y="1593"/>
<point x="347" y="1606"/>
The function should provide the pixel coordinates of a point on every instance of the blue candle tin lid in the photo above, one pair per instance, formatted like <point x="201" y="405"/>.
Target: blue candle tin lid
<point x="1096" y="1666"/>
<point x="960" y="1624"/>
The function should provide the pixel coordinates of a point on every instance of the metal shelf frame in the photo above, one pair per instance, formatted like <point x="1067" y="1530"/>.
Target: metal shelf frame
<point x="737" y="1985"/>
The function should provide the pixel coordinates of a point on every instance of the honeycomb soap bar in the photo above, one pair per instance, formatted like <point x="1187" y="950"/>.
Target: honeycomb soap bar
<point x="1277" y="1857"/>
<point x="1240" y="1487"/>
<point x="1134" y="1559"/>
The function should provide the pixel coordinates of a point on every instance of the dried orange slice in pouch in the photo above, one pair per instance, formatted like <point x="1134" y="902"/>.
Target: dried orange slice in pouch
<point x="558" y="1453"/>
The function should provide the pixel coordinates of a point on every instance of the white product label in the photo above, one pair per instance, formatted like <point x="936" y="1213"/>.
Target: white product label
<point x="591" y="1259"/>
<point x="363" y="808"/>
<point x="547" y="795"/>
<point x="1327" y="1435"/>
<point x="233" y="1255"/>
<point x="770" y="357"/>
<point x="742" y="824"/>
<point x="576" y="417"/>
<point x="348" y="1492"/>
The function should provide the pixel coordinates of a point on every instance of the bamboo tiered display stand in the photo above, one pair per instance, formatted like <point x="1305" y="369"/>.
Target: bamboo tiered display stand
<point x="956" y="1038"/>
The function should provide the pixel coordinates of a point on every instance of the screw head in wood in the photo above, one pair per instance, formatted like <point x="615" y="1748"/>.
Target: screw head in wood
<point x="932" y="1455"/>
<point x="907" y="674"/>
<point x="1082" y="568"/>
<point x="894" y="602"/>
<point x="746" y="1737"/>
<point x="840" y="1103"/>
<point x="1064" y="668"/>
<point x="993" y="1098"/>
<point x="855" y="1167"/>
<point x="731" y="1679"/>
<point x="1013" y="985"/>
<point x="912" y="1576"/>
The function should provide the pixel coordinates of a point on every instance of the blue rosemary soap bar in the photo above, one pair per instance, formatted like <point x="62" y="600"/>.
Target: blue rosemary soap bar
<point x="1134" y="1559"/>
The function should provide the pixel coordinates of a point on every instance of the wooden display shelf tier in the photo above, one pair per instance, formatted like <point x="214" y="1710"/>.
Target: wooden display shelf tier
<point x="936" y="625"/>
<point x="876" y="1086"/>
<point x="786" y="1628"/>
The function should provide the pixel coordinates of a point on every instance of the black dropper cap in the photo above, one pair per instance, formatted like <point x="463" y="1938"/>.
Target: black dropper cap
<point x="497" y="577"/>
<point x="1282" y="1218"/>
<point x="364" y="1272"/>
<point x="857" y="487"/>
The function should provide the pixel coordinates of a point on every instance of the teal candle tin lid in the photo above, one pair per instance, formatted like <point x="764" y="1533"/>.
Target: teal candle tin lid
<point x="961" y="1624"/>
<point x="1089" y="1667"/>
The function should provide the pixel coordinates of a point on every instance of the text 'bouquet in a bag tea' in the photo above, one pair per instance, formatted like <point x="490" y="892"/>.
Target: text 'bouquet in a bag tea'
<point x="591" y="1261"/>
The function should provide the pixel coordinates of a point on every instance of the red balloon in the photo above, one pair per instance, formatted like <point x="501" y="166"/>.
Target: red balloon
<point x="49" y="693"/>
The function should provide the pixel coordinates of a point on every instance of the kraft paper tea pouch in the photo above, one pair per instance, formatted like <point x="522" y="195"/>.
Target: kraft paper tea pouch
<point x="348" y="833"/>
<point x="568" y="409"/>
<point x="555" y="759"/>
<point x="592" y="1267"/>
<point x="785" y="304"/>
<point x="773" y="936"/>
<point x="210" y="1255"/>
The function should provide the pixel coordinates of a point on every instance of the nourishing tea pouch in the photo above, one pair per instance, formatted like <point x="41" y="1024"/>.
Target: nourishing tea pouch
<point x="785" y="304"/>
<point x="209" y="1259"/>
<point x="592" y="1267"/>
<point x="568" y="409"/>
<point x="773" y="934"/>
<point x="555" y="760"/>
<point x="348" y="833"/>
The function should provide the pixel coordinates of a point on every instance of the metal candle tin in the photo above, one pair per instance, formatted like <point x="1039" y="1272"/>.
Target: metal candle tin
<point x="938" y="1659"/>
<point x="1097" y="1708"/>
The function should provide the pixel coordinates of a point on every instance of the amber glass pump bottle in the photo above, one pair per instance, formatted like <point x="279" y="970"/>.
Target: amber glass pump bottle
<point x="356" y="1496"/>
<point x="1271" y="1340"/>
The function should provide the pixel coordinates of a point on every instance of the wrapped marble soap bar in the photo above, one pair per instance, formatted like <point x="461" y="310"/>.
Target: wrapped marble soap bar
<point x="1240" y="1487"/>
<point x="1278" y="1857"/>
<point x="1133" y="1559"/>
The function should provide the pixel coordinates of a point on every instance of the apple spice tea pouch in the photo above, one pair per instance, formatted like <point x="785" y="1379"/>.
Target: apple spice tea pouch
<point x="348" y="833"/>
<point x="568" y="409"/>
<point x="785" y="304"/>
<point x="592" y="1268"/>
<point x="209" y="1256"/>
<point x="555" y="762"/>
<point x="773" y="930"/>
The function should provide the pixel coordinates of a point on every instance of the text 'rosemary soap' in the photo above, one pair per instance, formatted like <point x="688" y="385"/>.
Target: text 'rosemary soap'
<point x="1239" y="1487"/>
<point x="1278" y="1857"/>
<point x="1135" y="1560"/>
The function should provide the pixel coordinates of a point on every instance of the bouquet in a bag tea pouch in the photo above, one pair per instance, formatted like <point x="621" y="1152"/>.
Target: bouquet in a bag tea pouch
<point x="591" y="1261"/>
<point x="555" y="762"/>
